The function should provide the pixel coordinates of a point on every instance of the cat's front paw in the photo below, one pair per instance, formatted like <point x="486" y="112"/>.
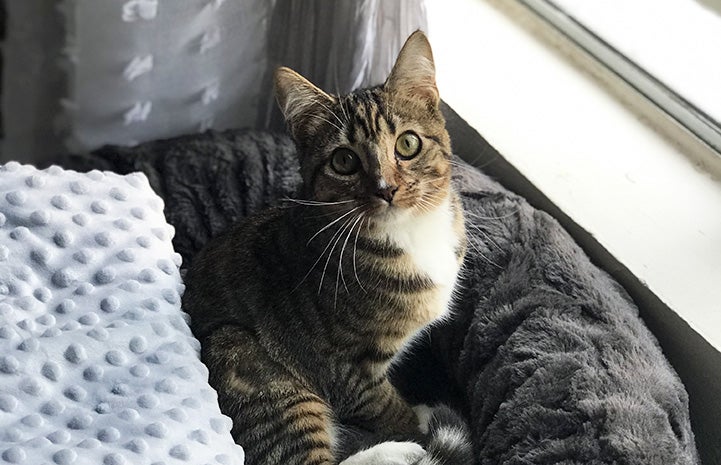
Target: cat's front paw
<point x="387" y="453"/>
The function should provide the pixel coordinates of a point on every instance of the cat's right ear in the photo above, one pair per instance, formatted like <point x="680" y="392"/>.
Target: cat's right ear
<point x="299" y="100"/>
<point x="414" y="73"/>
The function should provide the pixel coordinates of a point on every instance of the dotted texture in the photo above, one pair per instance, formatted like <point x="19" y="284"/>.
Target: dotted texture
<point x="132" y="75"/>
<point x="139" y="89"/>
<point x="97" y="364"/>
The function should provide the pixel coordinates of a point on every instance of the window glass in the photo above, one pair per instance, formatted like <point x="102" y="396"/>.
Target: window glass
<point x="677" y="41"/>
<point x="669" y="51"/>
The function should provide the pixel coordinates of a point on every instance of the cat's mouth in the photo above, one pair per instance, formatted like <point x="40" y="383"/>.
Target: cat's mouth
<point x="391" y="199"/>
<point x="382" y="211"/>
<point x="376" y="209"/>
<point x="383" y="206"/>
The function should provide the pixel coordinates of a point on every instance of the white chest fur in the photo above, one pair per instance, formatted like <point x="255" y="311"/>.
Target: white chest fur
<point x="431" y="242"/>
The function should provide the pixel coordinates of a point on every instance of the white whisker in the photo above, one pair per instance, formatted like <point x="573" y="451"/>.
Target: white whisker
<point x="332" y="223"/>
<point x="315" y="203"/>
<point x="474" y="215"/>
<point x="329" y="111"/>
<point x="327" y="121"/>
<point x="426" y="181"/>
<point x="485" y="234"/>
<point x="340" y="262"/>
<point x="470" y="242"/>
<point x="320" y="257"/>
<point x="340" y="232"/>
<point x="355" y="247"/>
<point x="475" y="164"/>
<point x="342" y="108"/>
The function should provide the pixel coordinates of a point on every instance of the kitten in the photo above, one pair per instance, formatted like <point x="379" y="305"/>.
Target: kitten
<point x="301" y="308"/>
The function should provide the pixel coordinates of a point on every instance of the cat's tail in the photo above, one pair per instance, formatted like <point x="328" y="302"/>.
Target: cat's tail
<point x="449" y="439"/>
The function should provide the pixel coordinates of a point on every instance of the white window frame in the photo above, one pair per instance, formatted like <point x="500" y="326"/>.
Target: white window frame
<point x="668" y="100"/>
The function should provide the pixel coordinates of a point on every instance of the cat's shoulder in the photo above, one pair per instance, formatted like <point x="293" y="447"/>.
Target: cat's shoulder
<point x="247" y="233"/>
<point x="271" y="217"/>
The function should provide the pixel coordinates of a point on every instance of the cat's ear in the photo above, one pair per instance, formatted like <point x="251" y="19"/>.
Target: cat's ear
<point x="299" y="100"/>
<point x="414" y="73"/>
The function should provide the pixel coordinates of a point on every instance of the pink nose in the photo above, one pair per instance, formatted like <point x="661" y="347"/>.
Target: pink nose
<point x="387" y="193"/>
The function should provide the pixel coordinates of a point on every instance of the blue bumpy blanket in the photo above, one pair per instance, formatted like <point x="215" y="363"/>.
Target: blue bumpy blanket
<point x="97" y="363"/>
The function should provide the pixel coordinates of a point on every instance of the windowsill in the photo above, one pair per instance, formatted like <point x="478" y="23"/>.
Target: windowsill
<point x="644" y="206"/>
<point x="640" y="196"/>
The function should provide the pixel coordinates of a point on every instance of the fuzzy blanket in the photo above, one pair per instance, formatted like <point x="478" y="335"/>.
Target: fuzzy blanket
<point x="546" y="354"/>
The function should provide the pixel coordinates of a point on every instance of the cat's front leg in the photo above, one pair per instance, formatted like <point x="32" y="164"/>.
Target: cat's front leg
<point x="382" y="411"/>
<point x="386" y="429"/>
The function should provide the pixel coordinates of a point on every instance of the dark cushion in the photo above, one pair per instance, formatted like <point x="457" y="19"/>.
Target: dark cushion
<point x="545" y="354"/>
<point x="208" y="181"/>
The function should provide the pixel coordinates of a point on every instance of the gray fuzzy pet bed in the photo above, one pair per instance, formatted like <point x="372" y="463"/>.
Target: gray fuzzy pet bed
<point x="545" y="355"/>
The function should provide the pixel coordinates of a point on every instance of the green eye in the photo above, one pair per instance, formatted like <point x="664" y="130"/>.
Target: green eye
<point x="345" y="161"/>
<point x="408" y="145"/>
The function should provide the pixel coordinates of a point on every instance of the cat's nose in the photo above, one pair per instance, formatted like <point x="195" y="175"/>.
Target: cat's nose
<point x="387" y="193"/>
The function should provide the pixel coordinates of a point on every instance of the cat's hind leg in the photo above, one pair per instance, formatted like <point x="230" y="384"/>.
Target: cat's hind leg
<point x="276" y="418"/>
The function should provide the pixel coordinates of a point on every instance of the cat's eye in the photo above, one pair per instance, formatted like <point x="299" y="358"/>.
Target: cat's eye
<point x="408" y="145"/>
<point x="345" y="161"/>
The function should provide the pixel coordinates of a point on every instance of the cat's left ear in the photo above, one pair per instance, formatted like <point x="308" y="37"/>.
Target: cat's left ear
<point x="299" y="100"/>
<point x="414" y="73"/>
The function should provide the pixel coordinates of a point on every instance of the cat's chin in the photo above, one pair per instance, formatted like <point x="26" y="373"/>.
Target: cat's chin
<point x="393" y="215"/>
<point x="386" y="215"/>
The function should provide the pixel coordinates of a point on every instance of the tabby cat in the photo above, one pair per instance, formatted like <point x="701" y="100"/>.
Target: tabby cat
<point x="301" y="308"/>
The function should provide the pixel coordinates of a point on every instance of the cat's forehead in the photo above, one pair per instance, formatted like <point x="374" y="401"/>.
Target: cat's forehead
<point x="368" y="115"/>
<point x="366" y="94"/>
<point x="365" y="103"/>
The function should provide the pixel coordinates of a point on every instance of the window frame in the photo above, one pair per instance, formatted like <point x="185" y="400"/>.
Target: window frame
<point x="669" y="101"/>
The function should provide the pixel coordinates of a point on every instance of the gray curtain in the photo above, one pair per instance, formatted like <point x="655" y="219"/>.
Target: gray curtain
<point x="338" y="45"/>
<point x="79" y="74"/>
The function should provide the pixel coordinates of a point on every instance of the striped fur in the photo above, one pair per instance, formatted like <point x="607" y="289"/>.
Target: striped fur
<point x="301" y="309"/>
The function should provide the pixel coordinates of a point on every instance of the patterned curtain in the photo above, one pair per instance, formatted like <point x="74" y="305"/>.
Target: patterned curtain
<point x="81" y="74"/>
